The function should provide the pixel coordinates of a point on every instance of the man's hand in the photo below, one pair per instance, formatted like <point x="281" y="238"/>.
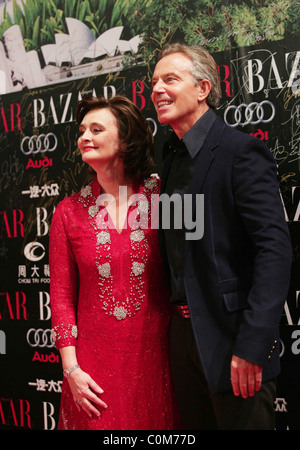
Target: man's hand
<point x="245" y="377"/>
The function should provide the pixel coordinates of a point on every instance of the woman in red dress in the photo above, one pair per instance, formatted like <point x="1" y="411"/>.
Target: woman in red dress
<point x="109" y="297"/>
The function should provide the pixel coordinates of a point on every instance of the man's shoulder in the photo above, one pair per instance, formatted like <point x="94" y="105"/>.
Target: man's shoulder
<point x="231" y="137"/>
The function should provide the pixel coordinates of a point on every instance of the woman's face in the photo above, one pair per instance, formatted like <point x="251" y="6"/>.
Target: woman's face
<point x="98" y="140"/>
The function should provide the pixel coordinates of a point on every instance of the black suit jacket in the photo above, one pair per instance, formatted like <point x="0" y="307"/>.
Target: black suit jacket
<point x="237" y="275"/>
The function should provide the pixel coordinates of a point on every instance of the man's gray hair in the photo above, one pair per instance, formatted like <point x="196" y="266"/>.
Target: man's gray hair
<point x="203" y="67"/>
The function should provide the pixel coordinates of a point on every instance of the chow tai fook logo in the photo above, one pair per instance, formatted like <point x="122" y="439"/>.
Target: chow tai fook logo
<point x="37" y="273"/>
<point x="34" y="251"/>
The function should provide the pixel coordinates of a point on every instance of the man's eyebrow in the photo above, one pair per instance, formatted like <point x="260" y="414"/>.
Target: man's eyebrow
<point x="165" y="75"/>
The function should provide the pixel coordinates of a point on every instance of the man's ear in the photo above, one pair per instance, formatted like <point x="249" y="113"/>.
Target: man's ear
<point x="204" y="89"/>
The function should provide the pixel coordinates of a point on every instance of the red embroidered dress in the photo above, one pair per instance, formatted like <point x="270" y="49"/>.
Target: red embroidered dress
<point x="110" y="300"/>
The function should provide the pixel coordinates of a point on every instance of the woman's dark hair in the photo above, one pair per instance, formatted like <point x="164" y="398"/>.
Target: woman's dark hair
<point x="136" y="138"/>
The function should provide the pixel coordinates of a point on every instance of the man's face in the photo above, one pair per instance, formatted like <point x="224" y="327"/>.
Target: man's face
<point x="176" y="97"/>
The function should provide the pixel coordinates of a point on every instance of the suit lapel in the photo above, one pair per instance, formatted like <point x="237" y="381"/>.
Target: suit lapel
<point x="204" y="161"/>
<point x="167" y="161"/>
<point x="206" y="156"/>
<point x="202" y="166"/>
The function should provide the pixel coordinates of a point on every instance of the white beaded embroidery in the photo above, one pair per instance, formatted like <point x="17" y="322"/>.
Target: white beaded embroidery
<point x="137" y="268"/>
<point x="60" y="331"/>
<point x="150" y="183"/>
<point x="86" y="191"/>
<point x="93" y="210"/>
<point x="104" y="270"/>
<point x="137" y="236"/>
<point x="139" y="244"/>
<point x="120" y="313"/>
<point x="103" y="237"/>
<point x="143" y="206"/>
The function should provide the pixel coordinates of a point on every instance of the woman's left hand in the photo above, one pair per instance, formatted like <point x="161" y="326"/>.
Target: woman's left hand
<point x="86" y="392"/>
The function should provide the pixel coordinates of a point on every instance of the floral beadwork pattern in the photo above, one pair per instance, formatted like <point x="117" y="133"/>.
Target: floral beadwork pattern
<point x="61" y="332"/>
<point x="130" y="305"/>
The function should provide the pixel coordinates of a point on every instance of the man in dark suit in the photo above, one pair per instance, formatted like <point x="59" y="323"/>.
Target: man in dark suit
<point x="228" y="287"/>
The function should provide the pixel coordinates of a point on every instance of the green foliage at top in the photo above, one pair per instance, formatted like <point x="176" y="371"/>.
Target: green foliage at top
<point x="39" y="20"/>
<point x="215" y="24"/>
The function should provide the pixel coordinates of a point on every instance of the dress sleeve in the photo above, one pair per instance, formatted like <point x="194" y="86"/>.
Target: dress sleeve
<point x="63" y="281"/>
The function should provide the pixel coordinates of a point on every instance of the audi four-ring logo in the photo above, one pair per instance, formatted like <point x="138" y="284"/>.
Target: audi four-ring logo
<point x="39" y="144"/>
<point x="39" y="338"/>
<point x="251" y="114"/>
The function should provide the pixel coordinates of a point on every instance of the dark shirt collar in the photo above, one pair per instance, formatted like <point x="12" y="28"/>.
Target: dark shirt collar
<point x="194" y="138"/>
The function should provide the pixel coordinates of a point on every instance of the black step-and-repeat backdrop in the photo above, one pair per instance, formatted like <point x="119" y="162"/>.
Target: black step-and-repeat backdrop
<point x="54" y="53"/>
